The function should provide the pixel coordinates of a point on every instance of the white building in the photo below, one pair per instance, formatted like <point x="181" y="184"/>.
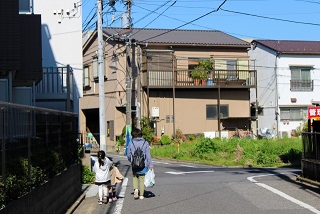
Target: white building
<point x="288" y="81"/>
<point x="62" y="39"/>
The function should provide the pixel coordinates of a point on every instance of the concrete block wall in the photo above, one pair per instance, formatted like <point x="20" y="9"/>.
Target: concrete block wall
<point x="55" y="196"/>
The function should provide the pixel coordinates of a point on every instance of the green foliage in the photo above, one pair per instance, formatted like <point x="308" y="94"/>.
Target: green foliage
<point x="202" y="69"/>
<point x="235" y="152"/>
<point x="300" y="129"/>
<point x="122" y="138"/>
<point x="88" y="176"/>
<point x="147" y="131"/>
<point x="205" y="145"/>
<point x="191" y="137"/>
<point x="165" y="140"/>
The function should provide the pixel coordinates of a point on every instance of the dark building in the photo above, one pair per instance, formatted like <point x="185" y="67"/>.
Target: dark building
<point x="20" y="42"/>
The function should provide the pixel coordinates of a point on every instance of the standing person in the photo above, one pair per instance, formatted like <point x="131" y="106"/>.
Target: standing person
<point x="138" y="143"/>
<point x="102" y="171"/>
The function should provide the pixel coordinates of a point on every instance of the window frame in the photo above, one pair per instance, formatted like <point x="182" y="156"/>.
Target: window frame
<point x="289" y="113"/>
<point x="300" y="79"/>
<point x="215" y="115"/>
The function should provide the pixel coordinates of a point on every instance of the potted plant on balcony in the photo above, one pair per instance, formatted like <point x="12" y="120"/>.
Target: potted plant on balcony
<point x="203" y="69"/>
<point x="204" y="76"/>
<point x="196" y="76"/>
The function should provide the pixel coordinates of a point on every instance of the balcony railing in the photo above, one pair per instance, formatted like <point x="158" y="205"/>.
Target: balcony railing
<point x="182" y="78"/>
<point x="301" y="85"/>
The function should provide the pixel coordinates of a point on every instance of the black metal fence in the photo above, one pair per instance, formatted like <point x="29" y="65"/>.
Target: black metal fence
<point x="310" y="162"/>
<point x="36" y="144"/>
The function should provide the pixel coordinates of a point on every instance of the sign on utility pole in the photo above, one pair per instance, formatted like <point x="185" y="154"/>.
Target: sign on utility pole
<point x="102" y="110"/>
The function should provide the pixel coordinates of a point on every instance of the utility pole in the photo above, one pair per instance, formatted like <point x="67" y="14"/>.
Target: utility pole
<point x="127" y="24"/>
<point x="138" y="107"/>
<point x="102" y="116"/>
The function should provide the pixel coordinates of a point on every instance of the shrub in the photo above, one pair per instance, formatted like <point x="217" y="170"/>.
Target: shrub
<point x="180" y="135"/>
<point x="165" y="140"/>
<point x="191" y="137"/>
<point x="122" y="137"/>
<point x="205" y="145"/>
<point x="147" y="130"/>
<point x="88" y="176"/>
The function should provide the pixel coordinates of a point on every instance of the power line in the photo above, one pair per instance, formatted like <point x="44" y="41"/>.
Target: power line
<point x="271" y="18"/>
<point x="216" y="10"/>
<point x="157" y="16"/>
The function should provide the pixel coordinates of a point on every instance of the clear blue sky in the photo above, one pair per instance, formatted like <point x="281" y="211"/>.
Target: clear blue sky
<point x="255" y="19"/>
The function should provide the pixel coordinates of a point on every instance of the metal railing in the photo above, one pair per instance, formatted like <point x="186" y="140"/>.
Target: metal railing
<point x="36" y="144"/>
<point x="182" y="78"/>
<point x="301" y="85"/>
<point x="56" y="80"/>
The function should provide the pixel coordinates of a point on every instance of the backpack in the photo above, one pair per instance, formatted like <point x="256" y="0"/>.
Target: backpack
<point x="138" y="158"/>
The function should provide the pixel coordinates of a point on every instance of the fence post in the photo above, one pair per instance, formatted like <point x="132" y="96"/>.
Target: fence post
<point x="3" y="173"/>
<point x="29" y="145"/>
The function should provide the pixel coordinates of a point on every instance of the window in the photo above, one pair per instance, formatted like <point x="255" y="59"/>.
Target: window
<point x="86" y="77"/>
<point x="293" y="113"/>
<point x="95" y="72"/>
<point x="231" y="69"/>
<point x="301" y="79"/>
<point x="212" y="111"/>
<point x="25" y="6"/>
<point x="194" y="62"/>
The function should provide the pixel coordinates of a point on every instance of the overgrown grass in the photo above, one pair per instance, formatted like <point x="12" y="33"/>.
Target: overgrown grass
<point x="235" y="152"/>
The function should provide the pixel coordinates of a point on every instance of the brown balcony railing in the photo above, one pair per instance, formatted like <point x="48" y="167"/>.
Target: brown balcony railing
<point x="301" y="85"/>
<point x="182" y="78"/>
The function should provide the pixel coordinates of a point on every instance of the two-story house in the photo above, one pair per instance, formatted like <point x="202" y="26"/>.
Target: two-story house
<point x="163" y="89"/>
<point x="287" y="79"/>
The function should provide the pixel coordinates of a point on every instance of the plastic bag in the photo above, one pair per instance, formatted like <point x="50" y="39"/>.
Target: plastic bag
<point x="149" y="178"/>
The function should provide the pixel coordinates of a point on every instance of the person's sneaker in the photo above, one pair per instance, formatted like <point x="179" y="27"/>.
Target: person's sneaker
<point x="110" y="200"/>
<point x="100" y="202"/>
<point x="114" y="199"/>
<point x="135" y="194"/>
<point x="141" y="197"/>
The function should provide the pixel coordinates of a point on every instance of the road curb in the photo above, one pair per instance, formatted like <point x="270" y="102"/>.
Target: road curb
<point x="308" y="181"/>
<point x="76" y="204"/>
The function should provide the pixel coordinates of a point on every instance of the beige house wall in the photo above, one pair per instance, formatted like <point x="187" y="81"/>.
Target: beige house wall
<point x="190" y="109"/>
<point x="114" y="87"/>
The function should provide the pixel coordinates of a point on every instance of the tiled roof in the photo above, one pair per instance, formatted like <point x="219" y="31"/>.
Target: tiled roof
<point x="181" y="37"/>
<point x="292" y="47"/>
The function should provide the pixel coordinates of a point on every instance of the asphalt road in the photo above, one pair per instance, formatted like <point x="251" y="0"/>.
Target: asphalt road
<point x="194" y="188"/>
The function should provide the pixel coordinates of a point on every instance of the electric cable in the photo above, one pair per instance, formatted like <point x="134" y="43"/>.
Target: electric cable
<point x="216" y="10"/>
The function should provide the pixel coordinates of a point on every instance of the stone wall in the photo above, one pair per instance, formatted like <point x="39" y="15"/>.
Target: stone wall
<point x="55" y="196"/>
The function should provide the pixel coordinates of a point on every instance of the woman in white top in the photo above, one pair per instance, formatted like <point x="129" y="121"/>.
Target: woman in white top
<point x="102" y="170"/>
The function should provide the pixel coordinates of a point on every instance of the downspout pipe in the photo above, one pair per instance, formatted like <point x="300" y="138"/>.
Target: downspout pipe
<point x="277" y="94"/>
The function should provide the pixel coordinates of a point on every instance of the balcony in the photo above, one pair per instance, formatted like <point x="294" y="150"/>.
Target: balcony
<point x="182" y="79"/>
<point x="56" y="86"/>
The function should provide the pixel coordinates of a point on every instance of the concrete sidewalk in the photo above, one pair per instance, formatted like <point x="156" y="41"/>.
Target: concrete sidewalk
<point x="88" y="202"/>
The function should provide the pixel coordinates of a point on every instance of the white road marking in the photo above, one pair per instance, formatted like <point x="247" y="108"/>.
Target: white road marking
<point x="192" y="172"/>
<point x="160" y="162"/>
<point x="118" y="208"/>
<point x="188" y="166"/>
<point x="282" y="194"/>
